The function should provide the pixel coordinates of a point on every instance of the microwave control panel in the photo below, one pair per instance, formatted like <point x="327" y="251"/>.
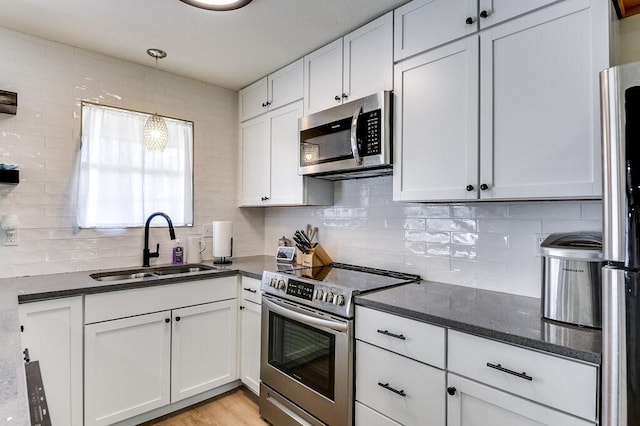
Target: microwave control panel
<point x="371" y="129"/>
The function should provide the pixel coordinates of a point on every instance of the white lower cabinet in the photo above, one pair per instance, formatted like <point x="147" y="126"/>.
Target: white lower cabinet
<point x="250" y="324"/>
<point x="203" y="349"/>
<point x="171" y="342"/>
<point x="475" y="404"/>
<point x="127" y="367"/>
<point x="52" y="333"/>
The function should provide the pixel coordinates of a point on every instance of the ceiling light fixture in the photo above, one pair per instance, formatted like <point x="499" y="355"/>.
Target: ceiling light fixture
<point x="155" y="129"/>
<point x="217" y="4"/>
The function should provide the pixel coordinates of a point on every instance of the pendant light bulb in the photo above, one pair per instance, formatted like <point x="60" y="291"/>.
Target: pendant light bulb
<point x="156" y="135"/>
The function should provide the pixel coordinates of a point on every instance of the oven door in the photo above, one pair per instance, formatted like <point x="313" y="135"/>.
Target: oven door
<point x="307" y="358"/>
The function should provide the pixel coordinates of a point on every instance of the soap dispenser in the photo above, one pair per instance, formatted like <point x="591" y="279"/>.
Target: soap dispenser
<point x="178" y="253"/>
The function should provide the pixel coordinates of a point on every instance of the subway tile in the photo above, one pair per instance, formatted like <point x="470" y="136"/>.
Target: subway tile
<point x="465" y="238"/>
<point x="548" y="210"/>
<point x="453" y="225"/>
<point x="431" y="237"/>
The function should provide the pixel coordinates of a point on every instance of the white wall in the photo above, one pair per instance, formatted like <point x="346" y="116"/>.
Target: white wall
<point x="43" y="139"/>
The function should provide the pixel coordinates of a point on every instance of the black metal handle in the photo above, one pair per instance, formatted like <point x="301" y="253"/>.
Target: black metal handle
<point x="250" y="290"/>
<point x="345" y="96"/>
<point x="390" y="334"/>
<point x="27" y="358"/>
<point x="242" y="308"/>
<point x="469" y="188"/>
<point x="484" y="187"/>
<point x="396" y="391"/>
<point x="337" y="98"/>
<point x="264" y="104"/>
<point x="167" y="320"/>
<point x="268" y="103"/>
<point x="484" y="14"/>
<point x="451" y="390"/>
<point x="177" y="318"/>
<point x="469" y="20"/>
<point x="264" y="198"/>
<point x="499" y="367"/>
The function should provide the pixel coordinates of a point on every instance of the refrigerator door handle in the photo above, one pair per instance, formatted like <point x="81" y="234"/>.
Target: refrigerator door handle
<point x="614" y="352"/>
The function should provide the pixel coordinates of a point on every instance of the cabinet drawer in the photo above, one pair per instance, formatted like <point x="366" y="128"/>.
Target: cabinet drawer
<point x="250" y="290"/>
<point x="137" y="301"/>
<point x="365" y="416"/>
<point x="414" y="339"/>
<point x="405" y="390"/>
<point x="557" y="382"/>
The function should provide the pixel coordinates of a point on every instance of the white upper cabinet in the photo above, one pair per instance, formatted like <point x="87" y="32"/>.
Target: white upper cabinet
<point x="357" y="65"/>
<point x="540" y="105"/>
<point x="269" y="153"/>
<point x="436" y="129"/>
<point x="533" y="132"/>
<point x="280" y="88"/>
<point x="424" y="24"/>
<point x="492" y="12"/>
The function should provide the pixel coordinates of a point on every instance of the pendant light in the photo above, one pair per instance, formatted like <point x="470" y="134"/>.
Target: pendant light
<point x="155" y="129"/>
<point x="217" y="4"/>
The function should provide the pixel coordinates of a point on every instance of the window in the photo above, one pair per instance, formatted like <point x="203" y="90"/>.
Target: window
<point x="120" y="182"/>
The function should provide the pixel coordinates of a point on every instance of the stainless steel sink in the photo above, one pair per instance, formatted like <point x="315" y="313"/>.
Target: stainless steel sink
<point x="156" y="272"/>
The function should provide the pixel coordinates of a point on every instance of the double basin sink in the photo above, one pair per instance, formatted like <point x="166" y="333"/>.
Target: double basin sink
<point x="156" y="272"/>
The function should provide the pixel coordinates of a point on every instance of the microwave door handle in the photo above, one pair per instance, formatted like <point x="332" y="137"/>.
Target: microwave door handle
<point x="354" y="137"/>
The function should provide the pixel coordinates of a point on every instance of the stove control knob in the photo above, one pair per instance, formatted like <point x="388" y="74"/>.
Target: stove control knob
<point x="319" y="294"/>
<point x="328" y="297"/>
<point x="273" y="282"/>
<point x="339" y="300"/>
<point x="280" y="284"/>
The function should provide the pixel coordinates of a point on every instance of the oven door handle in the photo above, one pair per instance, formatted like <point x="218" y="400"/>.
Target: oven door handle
<point x="354" y="137"/>
<point x="293" y="314"/>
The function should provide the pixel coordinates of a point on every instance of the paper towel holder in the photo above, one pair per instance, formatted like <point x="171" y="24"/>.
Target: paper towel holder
<point x="224" y="260"/>
<point x="222" y="249"/>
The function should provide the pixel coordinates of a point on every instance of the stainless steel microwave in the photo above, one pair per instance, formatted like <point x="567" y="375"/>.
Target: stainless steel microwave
<point x="349" y="141"/>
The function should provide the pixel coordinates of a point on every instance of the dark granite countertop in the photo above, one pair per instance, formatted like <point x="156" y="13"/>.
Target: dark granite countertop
<point x="505" y="317"/>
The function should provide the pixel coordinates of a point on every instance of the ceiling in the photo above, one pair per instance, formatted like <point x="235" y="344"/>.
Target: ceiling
<point x="230" y="49"/>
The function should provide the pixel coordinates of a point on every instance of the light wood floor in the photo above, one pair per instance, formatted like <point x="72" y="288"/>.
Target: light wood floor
<point x="238" y="407"/>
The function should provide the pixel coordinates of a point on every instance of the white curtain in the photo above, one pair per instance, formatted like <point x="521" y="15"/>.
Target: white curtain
<point x="120" y="182"/>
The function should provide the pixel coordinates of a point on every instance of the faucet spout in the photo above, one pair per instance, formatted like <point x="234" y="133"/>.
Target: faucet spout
<point x="146" y="253"/>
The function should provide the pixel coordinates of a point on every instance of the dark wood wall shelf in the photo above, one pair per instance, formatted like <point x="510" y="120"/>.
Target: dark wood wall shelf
<point x="11" y="177"/>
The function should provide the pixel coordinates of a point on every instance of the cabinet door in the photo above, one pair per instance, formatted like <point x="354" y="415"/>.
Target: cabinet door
<point x="540" y="121"/>
<point x="474" y="404"/>
<point x="496" y="11"/>
<point x="323" y="78"/>
<point x="285" y="85"/>
<point x="368" y="59"/>
<point x="252" y="100"/>
<point x="203" y="350"/>
<point x="436" y="131"/>
<point x="250" y="317"/>
<point x="127" y="364"/>
<point x="286" y="183"/>
<point x="424" y="24"/>
<point x="52" y="331"/>
<point x="255" y="163"/>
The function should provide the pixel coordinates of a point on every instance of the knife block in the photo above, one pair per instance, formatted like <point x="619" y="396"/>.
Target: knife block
<point x="317" y="256"/>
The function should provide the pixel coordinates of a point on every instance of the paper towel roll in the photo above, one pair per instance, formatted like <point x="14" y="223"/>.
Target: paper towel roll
<point x="222" y="237"/>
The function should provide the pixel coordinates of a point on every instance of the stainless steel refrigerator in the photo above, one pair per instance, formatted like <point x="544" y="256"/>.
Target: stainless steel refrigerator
<point x="620" y="97"/>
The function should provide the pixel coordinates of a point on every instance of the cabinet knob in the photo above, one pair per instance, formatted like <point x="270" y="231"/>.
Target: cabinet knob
<point x="264" y="104"/>
<point x="484" y="187"/>
<point x="167" y="320"/>
<point x="345" y="96"/>
<point x="469" y="21"/>
<point x="177" y="318"/>
<point x="469" y="188"/>
<point x="337" y="98"/>
<point x="268" y="103"/>
<point x="451" y="390"/>
<point x="242" y="308"/>
<point x="264" y="198"/>
<point x="484" y="14"/>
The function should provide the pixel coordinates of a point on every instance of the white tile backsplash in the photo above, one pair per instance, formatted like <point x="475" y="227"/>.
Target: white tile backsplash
<point x="484" y="245"/>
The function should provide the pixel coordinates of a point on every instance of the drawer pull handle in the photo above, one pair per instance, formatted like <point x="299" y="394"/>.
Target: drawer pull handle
<point x="250" y="290"/>
<point x="499" y="367"/>
<point x="396" y="391"/>
<point x="390" y="334"/>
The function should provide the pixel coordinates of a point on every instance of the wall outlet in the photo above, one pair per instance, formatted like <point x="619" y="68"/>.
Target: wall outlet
<point x="207" y="230"/>
<point x="539" y="239"/>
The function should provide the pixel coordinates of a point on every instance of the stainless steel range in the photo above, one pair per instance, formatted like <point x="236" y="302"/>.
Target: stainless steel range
<point x="306" y="367"/>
